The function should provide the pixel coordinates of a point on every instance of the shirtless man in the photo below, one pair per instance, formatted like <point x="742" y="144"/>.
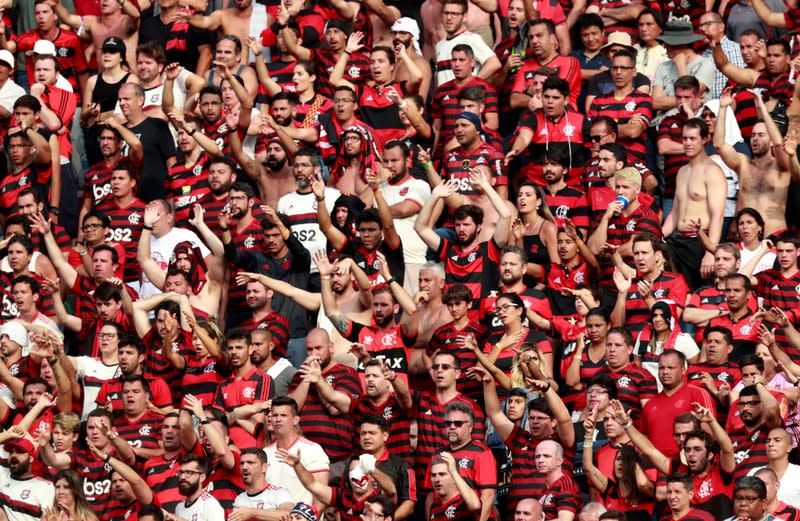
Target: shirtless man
<point x="244" y="18"/>
<point x="477" y="20"/>
<point x="405" y="32"/>
<point x="764" y="179"/>
<point x="381" y="17"/>
<point x="354" y="304"/>
<point x="700" y="194"/>
<point x="120" y="19"/>
<point x="272" y="172"/>
<point x="228" y="53"/>
<point x="431" y="311"/>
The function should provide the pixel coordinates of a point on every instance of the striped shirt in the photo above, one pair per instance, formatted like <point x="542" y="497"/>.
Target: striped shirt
<point x="621" y="111"/>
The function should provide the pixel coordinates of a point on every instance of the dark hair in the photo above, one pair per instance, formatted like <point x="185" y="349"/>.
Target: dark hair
<point x="106" y="291"/>
<point x="744" y="278"/>
<point x="610" y="124"/>
<point x="37" y="380"/>
<point x="709" y="442"/>
<point x="387" y="505"/>
<point x="310" y="153"/>
<point x="469" y="210"/>
<point x="752" y="32"/>
<point x="688" y="82"/>
<point x="620" y="152"/>
<point x="225" y="160"/>
<point x="457" y="293"/>
<point x="444" y="352"/>
<point x="681" y="477"/>
<point x="512" y="248"/>
<point x="245" y="188"/>
<point x="724" y="331"/>
<point x="474" y="93"/>
<point x="19" y="220"/>
<point x="756" y="215"/>
<point x="462" y="3"/>
<point x="787" y="236"/>
<point x="555" y="155"/>
<point x="30" y="281"/>
<point x="613" y="515"/>
<point x="585" y="21"/>
<point x="257" y="452"/>
<point x="106" y="247"/>
<point x="674" y="352"/>
<point x="345" y="88"/>
<point x="291" y="97"/>
<point x="131" y="378"/>
<point x="558" y="84"/>
<point x="170" y="306"/>
<point x="629" y="53"/>
<point x="104" y="219"/>
<point x="126" y="166"/>
<point x="374" y="419"/>
<point x="388" y="50"/>
<point x="286" y="401"/>
<point x="657" y="16"/>
<point x="396" y="143"/>
<point x="29" y="102"/>
<point x="154" y="51"/>
<point x="210" y="89"/>
<point x="23" y="241"/>
<point x="699" y="124"/>
<point x="685" y="418"/>
<point x="622" y="331"/>
<point x="787" y="49"/>
<point x="237" y="334"/>
<point x="132" y="340"/>
<point x="465" y="48"/>
<point x="152" y="511"/>
<point x="605" y="381"/>
<point x="599" y="312"/>
<point x="551" y="27"/>
<point x="540" y="405"/>
<point x="751" y="483"/>
<point x="236" y="42"/>
<point x="202" y="464"/>
<point x="173" y="270"/>
<point x="751" y="359"/>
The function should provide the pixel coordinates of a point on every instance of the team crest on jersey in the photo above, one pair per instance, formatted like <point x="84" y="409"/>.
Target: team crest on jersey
<point x="175" y="347"/>
<point x="144" y="431"/>
<point x="25" y="494"/>
<point x="23" y="180"/>
<point x="249" y="242"/>
<point x="63" y="52"/>
<point x="630" y="106"/>
<point x="630" y="226"/>
<point x="450" y="513"/>
<point x="562" y="211"/>
<point x="330" y="379"/>
<point x="569" y="130"/>
<point x="134" y="218"/>
<point x="624" y="382"/>
<point x="387" y="413"/>
<point x="746" y="329"/>
<point x="194" y="517"/>
<point x="463" y="463"/>
<point x="248" y="392"/>
<point x="197" y="169"/>
<point x="376" y="264"/>
<point x="404" y="191"/>
<point x="107" y="467"/>
<point x="659" y="293"/>
<point x="465" y="164"/>
<point x="472" y="257"/>
<point x="578" y="278"/>
<point x="223" y="129"/>
<point x="354" y="72"/>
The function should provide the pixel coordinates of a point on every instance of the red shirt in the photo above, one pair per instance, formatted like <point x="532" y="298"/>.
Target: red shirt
<point x="661" y="410"/>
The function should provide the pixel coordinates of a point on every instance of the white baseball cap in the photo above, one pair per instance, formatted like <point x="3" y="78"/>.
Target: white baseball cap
<point x="44" y="47"/>
<point x="7" y="58"/>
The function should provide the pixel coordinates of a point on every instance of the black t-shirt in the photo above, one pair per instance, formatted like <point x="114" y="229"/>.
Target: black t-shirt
<point x="181" y="46"/>
<point x="158" y="146"/>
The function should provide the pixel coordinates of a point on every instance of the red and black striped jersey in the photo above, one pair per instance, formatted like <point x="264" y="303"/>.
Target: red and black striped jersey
<point x="116" y="511"/>
<point x="621" y="111"/>
<point x="476" y="465"/>
<point x="749" y="449"/>
<point x="667" y="286"/>
<point x="746" y="112"/>
<point x="249" y="240"/>
<point x="505" y="359"/>
<point x="781" y="292"/>
<point x="111" y="391"/>
<point x="305" y="110"/>
<point x="569" y="203"/>
<point x="445" y="106"/>
<point x="357" y="71"/>
<point x="786" y="512"/>
<point x="161" y="475"/>
<point x="8" y="307"/>
<point x="392" y="346"/>
<point x="531" y="297"/>
<point x="381" y="113"/>
<point x="335" y="433"/>
<point x="225" y="484"/>
<point x="476" y="268"/>
<point x="157" y="365"/>
<point x="282" y="72"/>
<point x="275" y="324"/>
<point x="142" y="433"/>
<point x="592" y="179"/>
<point x="235" y="391"/>
<point x="712" y="491"/>
<point x="97" y="183"/>
<point x="446" y="338"/>
<point x="63" y="104"/>
<point x="214" y="206"/>
<point x="621" y="229"/>
<point x="727" y="372"/>
<point x="187" y="185"/>
<point x="201" y="379"/>
<point x="628" y="26"/>
<point x="588" y="368"/>
<point x="560" y="495"/>
<point x="399" y="442"/>
<point x="671" y="128"/>
<point x="567" y="68"/>
<point x="707" y="297"/>
<point x="564" y="134"/>
<point x="458" y="163"/>
<point x="218" y="133"/>
<point x="452" y="509"/>
<point x="775" y="87"/>
<point x="744" y="332"/>
<point x="634" y="384"/>
<point x="16" y="181"/>
<point x="126" y="228"/>
<point x="525" y="479"/>
<point x="96" y="475"/>
<point x="429" y="414"/>
<point x="63" y="240"/>
<point x="69" y="53"/>
<point x="350" y="508"/>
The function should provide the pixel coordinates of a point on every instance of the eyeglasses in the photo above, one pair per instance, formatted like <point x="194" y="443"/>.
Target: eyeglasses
<point x="369" y="514"/>
<point x="746" y="499"/>
<point x="188" y="472"/>
<point x="505" y="307"/>
<point x="450" y="14"/>
<point x="455" y="423"/>
<point x="92" y="226"/>
<point x="621" y="68"/>
<point x="751" y="403"/>
<point x="107" y="335"/>
<point x="443" y="367"/>
<point x="596" y="138"/>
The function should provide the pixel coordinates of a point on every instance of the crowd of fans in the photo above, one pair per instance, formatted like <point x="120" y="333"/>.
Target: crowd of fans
<point x="390" y="259"/>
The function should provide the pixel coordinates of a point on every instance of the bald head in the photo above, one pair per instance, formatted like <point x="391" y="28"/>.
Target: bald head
<point x="779" y="444"/>
<point x="319" y="346"/>
<point x="770" y="479"/>
<point x="549" y="456"/>
<point x="528" y="510"/>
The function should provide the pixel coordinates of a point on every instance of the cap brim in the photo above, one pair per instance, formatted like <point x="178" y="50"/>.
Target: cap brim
<point x="680" y="40"/>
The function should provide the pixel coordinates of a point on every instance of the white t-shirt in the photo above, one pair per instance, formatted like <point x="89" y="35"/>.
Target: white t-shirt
<point x="418" y="192"/>
<point x="302" y="212"/>
<point x="313" y="458"/>
<point x="93" y="372"/>
<point x="767" y="262"/>
<point x="444" y="50"/>
<point x="35" y="494"/>
<point x="161" y="251"/>
<point x="270" y="498"/>
<point x="205" y="508"/>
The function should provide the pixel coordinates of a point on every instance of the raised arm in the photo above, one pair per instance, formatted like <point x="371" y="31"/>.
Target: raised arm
<point x="335" y="237"/>
<point x="323" y="493"/>
<point x="337" y="318"/>
<point x="353" y="45"/>
<point x="262" y="72"/>
<point x="745" y="77"/>
<point x="143" y="493"/>
<point x="494" y="411"/>
<point x="768" y="16"/>
<point x="774" y="133"/>
<point x="642" y="442"/>
<point x="150" y="268"/>
<point x="312" y="373"/>
<point x="65" y="271"/>
<point x="422" y="225"/>
<point x="597" y="479"/>
<point x="306" y="299"/>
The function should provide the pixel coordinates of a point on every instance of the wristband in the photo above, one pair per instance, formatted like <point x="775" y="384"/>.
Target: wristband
<point x="347" y="52"/>
<point x="148" y="228"/>
<point x="55" y="210"/>
<point x="427" y="164"/>
<point x="796" y="382"/>
<point x="205" y="421"/>
<point x="547" y="381"/>
<point x="224" y="229"/>
<point x="390" y="280"/>
<point x="628" y="425"/>
<point x="107" y="458"/>
<point x="191" y="132"/>
<point x="319" y="199"/>
<point x="324" y="277"/>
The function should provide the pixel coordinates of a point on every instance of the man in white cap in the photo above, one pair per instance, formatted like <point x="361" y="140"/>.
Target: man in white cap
<point x="405" y="32"/>
<point x="48" y="39"/>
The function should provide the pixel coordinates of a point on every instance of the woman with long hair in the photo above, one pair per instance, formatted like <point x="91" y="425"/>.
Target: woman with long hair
<point x="69" y="503"/>
<point x="750" y="226"/>
<point x="586" y="356"/>
<point x="664" y="333"/>
<point x="311" y="104"/>
<point x="629" y="489"/>
<point x="536" y="230"/>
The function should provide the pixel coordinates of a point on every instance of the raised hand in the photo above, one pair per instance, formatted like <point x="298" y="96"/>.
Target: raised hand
<point x="323" y="264"/>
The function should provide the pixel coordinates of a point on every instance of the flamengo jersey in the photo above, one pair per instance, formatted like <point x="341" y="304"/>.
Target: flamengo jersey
<point x="270" y="498"/>
<point x="204" y="508"/>
<point x="25" y="499"/>
<point x="97" y="183"/>
<point x="302" y="212"/>
<point x="126" y="228"/>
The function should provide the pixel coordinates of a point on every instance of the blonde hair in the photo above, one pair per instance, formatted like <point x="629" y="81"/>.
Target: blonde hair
<point x="631" y="175"/>
<point x="517" y="376"/>
<point x="69" y="422"/>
